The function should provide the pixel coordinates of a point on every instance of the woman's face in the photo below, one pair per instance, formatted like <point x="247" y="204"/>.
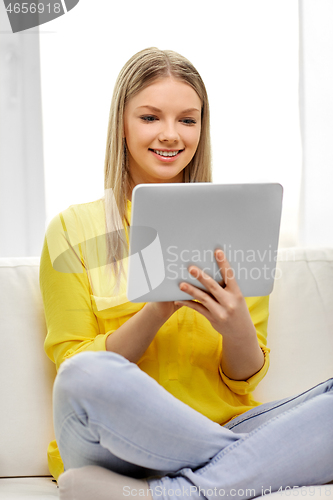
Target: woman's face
<point x="162" y="126"/>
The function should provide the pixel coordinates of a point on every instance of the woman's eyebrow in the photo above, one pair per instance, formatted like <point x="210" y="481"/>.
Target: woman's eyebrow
<point x="159" y="110"/>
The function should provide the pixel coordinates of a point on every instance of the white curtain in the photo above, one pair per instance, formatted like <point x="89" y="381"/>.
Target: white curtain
<point x="22" y="193"/>
<point x="316" y="104"/>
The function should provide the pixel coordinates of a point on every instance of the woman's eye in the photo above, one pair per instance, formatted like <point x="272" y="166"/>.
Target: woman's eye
<point x="148" y="118"/>
<point x="189" y="121"/>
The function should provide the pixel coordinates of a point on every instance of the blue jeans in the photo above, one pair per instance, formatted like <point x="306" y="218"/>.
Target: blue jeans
<point x="110" y="413"/>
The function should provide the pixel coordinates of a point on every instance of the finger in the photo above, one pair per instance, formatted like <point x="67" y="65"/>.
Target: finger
<point x="197" y="293"/>
<point x="196" y="306"/>
<point x="211" y="305"/>
<point x="227" y="273"/>
<point x="213" y="287"/>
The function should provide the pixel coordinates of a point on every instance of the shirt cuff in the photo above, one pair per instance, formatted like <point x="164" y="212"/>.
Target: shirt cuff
<point x="97" y="344"/>
<point x="243" y="387"/>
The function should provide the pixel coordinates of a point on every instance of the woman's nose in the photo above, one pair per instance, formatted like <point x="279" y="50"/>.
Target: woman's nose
<point x="169" y="133"/>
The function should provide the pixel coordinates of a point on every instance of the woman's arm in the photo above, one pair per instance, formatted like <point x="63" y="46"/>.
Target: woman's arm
<point x="226" y="309"/>
<point x="242" y="357"/>
<point x="133" y="338"/>
<point x="72" y="326"/>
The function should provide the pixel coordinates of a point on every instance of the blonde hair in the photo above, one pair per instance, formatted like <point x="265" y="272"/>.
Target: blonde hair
<point x="139" y="72"/>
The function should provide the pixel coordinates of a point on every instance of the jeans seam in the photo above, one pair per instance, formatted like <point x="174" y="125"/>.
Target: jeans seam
<point x="65" y="420"/>
<point x="229" y="448"/>
<point x="292" y="398"/>
<point x="135" y="446"/>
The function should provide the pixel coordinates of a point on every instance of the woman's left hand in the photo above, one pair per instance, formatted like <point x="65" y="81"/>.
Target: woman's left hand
<point x="224" y="306"/>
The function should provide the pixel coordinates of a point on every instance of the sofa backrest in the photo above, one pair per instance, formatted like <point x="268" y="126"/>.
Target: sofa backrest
<point x="300" y="335"/>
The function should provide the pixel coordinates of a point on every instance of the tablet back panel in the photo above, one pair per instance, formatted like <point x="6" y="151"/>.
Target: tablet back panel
<point x="175" y="225"/>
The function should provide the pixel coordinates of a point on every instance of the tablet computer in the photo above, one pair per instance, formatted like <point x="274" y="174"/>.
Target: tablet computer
<point x="174" y="225"/>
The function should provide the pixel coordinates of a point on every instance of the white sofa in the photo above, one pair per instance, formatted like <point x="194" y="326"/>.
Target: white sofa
<point x="300" y="335"/>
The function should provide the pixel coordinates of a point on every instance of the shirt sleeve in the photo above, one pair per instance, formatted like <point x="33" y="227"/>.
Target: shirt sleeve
<point x="258" y="308"/>
<point x="72" y="326"/>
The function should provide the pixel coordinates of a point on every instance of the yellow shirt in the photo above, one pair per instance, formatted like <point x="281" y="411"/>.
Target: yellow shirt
<point x="81" y="312"/>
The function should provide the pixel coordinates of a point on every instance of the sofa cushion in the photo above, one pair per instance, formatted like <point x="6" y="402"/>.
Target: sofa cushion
<point x="26" y="374"/>
<point x="300" y="325"/>
<point x="28" y="488"/>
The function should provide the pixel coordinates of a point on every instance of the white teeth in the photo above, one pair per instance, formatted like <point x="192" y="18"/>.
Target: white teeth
<point x="165" y="153"/>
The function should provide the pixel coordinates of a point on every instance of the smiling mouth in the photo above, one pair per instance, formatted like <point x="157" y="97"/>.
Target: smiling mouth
<point x="166" y="153"/>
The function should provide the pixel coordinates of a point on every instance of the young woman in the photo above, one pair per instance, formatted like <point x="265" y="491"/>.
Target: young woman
<point x="154" y="399"/>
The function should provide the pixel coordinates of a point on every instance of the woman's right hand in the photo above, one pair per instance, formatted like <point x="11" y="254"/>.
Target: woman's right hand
<point x="163" y="310"/>
<point x="133" y="337"/>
